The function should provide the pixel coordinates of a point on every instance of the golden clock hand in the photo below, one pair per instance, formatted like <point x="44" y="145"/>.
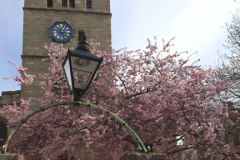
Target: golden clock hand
<point x="63" y="29"/>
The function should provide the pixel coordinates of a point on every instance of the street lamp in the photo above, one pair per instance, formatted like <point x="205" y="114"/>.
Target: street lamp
<point x="80" y="66"/>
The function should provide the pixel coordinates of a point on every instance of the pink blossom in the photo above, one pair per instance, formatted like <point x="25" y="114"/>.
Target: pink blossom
<point x="159" y="98"/>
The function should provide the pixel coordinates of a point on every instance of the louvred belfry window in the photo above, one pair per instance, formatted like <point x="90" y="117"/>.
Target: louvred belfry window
<point x="89" y="4"/>
<point x="80" y="34"/>
<point x="49" y="3"/>
<point x="72" y="3"/>
<point x="64" y="3"/>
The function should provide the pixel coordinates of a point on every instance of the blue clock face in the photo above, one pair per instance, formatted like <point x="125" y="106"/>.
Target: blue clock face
<point x="61" y="31"/>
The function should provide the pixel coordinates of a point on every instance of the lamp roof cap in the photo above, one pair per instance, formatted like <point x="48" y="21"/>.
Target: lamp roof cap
<point x="83" y="43"/>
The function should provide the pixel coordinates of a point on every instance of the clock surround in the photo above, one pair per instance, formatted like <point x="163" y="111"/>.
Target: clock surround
<point x="61" y="31"/>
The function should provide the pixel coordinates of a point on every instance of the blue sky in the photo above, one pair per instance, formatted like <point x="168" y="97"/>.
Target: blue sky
<point x="196" y="24"/>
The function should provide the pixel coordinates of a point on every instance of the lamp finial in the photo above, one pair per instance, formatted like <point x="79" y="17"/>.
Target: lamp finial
<point x="83" y="43"/>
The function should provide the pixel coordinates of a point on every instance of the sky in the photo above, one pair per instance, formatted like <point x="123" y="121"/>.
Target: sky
<point x="197" y="26"/>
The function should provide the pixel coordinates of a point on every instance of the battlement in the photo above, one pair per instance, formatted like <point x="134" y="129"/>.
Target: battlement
<point x="8" y="97"/>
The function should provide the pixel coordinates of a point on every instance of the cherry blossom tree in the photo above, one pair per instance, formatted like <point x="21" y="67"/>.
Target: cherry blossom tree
<point x="162" y="98"/>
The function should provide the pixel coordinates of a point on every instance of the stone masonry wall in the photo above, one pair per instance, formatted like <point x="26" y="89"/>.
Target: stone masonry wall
<point x="8" y="97"/>
<point x="36" y="32"/>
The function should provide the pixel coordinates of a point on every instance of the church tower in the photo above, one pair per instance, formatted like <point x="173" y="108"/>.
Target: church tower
<point x="73" y="17"/>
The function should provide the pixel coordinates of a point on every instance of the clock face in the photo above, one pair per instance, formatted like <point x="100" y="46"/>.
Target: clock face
<point x="61" y="31"/>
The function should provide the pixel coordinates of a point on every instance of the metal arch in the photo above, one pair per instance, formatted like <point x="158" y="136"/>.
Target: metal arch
<point x="136" y="138"/>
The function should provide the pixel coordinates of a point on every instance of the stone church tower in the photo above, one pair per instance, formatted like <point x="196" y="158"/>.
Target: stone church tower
<point x="90" y="16"/>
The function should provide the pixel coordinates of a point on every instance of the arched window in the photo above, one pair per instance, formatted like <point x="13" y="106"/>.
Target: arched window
<point x="3" y="131"/>
<point x="49" y="3"/>
<point x="64" y="3"/>
<point x="72" y="3"/>
<point x="89" y="4"/>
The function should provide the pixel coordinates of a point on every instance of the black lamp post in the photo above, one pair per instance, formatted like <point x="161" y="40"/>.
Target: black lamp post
<point x="80" y="66"/>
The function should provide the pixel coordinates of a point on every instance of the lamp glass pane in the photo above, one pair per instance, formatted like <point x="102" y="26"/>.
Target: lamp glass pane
<point x="83" y="70"/>
<point x="68" y="74"/>
<point x="81" y="78"/>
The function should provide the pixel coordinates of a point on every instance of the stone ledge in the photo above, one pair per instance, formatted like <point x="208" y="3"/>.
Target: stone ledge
<point x="34" y="56"/>
<point x="11" y="156"/>
<point x="11" y="92"/>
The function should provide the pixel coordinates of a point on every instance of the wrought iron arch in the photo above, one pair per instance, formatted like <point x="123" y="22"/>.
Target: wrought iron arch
<point x="138" y="141"/>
